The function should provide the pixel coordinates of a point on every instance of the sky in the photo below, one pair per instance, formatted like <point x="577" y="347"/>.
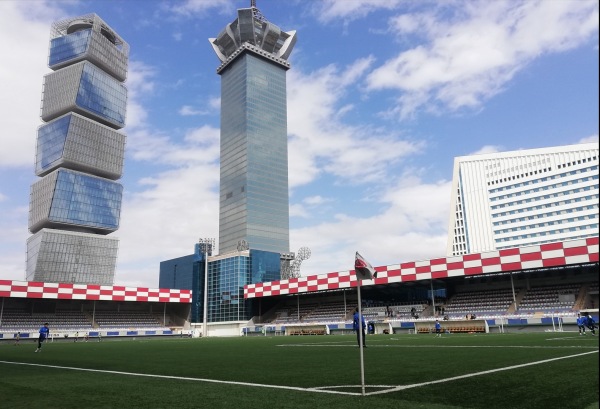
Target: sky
<point x="382" y="96"/>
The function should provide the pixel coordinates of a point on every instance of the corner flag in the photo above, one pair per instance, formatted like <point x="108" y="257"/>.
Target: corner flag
<point x="364" y="270"/>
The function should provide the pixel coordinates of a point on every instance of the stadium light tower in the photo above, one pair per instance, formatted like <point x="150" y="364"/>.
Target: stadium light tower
<point x="206" y="246"/>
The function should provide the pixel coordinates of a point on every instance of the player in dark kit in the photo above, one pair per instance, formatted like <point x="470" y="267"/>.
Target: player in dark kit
<point x="438" y="328"/>
<point x="44" y="332"/>
<point x="581" y="324"/>
<point x="357" y="320"/>
<point x="591" y="324"/>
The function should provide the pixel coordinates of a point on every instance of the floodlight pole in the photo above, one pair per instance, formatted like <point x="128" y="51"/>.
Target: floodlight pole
<point x="361" y="341"/>
<point x="512" y="286"/>
<point x="432" y="298"/>
<point x="206" y="245"/>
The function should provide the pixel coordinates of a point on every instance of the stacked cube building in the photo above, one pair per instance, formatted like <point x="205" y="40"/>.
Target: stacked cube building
<point x="76" y="202"/>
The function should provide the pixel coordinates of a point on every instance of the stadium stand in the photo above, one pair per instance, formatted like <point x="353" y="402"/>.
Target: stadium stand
<point x="487" y="303"/>
<point x="558" y="298"/>
<point x="398" y="300"/>
<point x="20" y="320"/>
<point x="108" y="319"/>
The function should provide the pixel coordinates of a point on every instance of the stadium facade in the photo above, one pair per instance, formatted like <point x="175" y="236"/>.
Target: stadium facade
<point x="521" y="198"/>
<point x="571" y="261"/>
<point x="79" y="155"/>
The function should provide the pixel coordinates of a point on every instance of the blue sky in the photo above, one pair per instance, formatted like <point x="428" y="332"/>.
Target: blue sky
<point x="382" y="95"/>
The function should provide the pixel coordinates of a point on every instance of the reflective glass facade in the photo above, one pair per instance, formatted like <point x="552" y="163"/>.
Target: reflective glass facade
<point x="254" y="204"/>
<point x="227" y="276"/>
<point x="102" y="95"/>
<point x="226" y="280"/>
<point x="51" y="143"/>
<point x="91" y="39"/>
<point x="75" y="199"/>
<point x="265" y="266"/>
<point x="79" y="155"/>
<point x="197" y="308"/>
<point x="69" y="47"/>
<point x="86" y="200"/>
<point x="86" y="89"/>
<point x="177" y="273"/>
<point x="186" y="272"/>
<point x="75" y="142"/>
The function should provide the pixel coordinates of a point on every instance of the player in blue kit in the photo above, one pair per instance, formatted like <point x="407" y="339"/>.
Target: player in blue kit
<point x="357" y="320"/>
<point x="44" y="332"/>
<point x="581" y="324"/>
<point x="591" y="324"/>
<point x="438" y="329"/>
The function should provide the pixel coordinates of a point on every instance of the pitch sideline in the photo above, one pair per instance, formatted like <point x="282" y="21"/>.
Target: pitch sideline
<point x="388" y="388"/>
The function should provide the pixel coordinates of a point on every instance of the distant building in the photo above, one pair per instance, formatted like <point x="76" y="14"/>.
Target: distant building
<point x="186" y="273"/>
<point x="227" y="275"/>
<point x="254" y="197"/>
<point x="522" y="198"/>
<point x="79" y="156"/>
<point x="254" y="203"/>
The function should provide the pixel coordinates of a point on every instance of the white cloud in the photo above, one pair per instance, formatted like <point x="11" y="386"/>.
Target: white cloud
<point x="412" y="227"/>
<point x="321" y="142"/>
<point x="145" y="143"/>
<point x="176" y="201"/>
<point x="195" y="8"/>
<point x="589" y="139"/>
<point x="298" y="210"/>
<point x="140" y="83"/>
<point x="165" y="219"/>
<point x="412" y="220"/>
<point x="316" y="200"/>
<point x="487" y="149"/>
<point x="187" y="110"/>
<point x="215" y="103"/>
<point x="349" y="10"/>
<point x="166" y="212"/>
<point x="469" y="58"/>
<point x="13" y="236"/>
<point x="25" y="34"/>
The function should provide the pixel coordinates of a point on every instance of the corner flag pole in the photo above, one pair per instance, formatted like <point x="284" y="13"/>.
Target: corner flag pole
<point x="363" y="270"/>
<point x="361" y="341"/>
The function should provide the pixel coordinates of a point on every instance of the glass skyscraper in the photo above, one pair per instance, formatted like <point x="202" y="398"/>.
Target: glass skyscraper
<point x="254" y="203"/>
<point x="79" y="155"/>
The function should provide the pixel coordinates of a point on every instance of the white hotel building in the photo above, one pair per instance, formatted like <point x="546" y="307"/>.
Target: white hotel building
<point x="521" y="198"/>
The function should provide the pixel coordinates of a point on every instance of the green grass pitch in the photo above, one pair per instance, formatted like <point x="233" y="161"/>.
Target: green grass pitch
<point x="524" y="370"/>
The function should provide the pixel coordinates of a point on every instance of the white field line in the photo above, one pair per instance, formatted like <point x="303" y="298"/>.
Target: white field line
<point x="448" y="346"/>
<point x="180" y="378"/>
<point x="507" y="368"/>
<point x="388" y="388"/>
<point x="581" y="338"/>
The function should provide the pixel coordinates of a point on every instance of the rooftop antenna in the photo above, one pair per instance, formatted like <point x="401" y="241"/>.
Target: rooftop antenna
<point x="256" y="12"/>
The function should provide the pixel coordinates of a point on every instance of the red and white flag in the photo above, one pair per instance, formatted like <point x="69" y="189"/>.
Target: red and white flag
<point x="364" y="270"/>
